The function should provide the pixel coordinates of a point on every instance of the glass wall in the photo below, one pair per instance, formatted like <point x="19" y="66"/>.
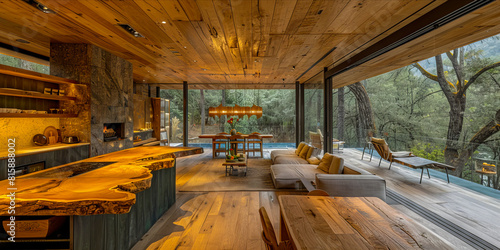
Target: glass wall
<point x="313" y="106"/>
<point x="23" y="64"/>
<point x="278" y="117"/>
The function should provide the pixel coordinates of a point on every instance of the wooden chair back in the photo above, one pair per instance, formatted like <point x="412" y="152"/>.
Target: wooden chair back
<point x="318" y="192"/>
<point x="316" y="139"/>
<point x="254" y="137"/>
<point x="268" y="234"/>
<point x="382" y="148"/>
<point x="221" y="138"/>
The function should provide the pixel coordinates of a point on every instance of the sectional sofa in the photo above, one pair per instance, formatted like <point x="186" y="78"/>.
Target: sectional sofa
<point x="290" y="170"/>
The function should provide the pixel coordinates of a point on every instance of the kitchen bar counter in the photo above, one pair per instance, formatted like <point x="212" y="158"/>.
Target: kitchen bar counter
<point x="41" y="149"/>
<point x="105" y="184"/>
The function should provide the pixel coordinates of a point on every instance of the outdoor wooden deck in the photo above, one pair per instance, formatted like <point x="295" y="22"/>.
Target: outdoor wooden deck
<point x="229" y="220"/>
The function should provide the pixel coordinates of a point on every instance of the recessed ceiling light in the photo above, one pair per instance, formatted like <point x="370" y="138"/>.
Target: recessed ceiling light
<point x="40" y="6"/>
<point x="185" y="47"/>
<point x="204" y="69"/>
<point x="22" y="41"/>
<point x="164" y="22"/>
<point x="195" y="61"/>
<point x="131" y="30"/>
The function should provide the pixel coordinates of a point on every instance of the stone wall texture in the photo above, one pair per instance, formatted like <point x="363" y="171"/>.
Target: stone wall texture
<point x="104" y="95"/>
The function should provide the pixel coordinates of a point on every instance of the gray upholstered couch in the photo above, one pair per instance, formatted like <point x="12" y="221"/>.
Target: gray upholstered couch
<point x="289" y="171"/>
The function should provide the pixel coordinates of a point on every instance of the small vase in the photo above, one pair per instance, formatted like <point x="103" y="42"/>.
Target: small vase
<point x="233" y="131"/>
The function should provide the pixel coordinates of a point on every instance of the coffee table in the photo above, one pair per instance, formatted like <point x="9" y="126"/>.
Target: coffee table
<point x="230" y="165"/>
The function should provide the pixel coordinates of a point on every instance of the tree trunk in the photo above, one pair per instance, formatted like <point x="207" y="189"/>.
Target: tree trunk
<point x="365" y="111"/>
<point x="202" y="108"/>
<point x="457" y="110"/>
<point x="488" y="130"/>
<point x="340" y="114"/>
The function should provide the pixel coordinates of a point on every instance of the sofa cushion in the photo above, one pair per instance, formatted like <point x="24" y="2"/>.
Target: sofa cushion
<point x="299" y="148"/>
<point x="337" y="166"/>
<point x="310" y="152"/>
<point x="314" y="160"/>
<point x="325" y="163"/>
<point x="289" y="159"/>
<point x="355" y="170"/>
<point x="280" y="152"/>
<point x="287" y="175"/>
<point x="303" y="152"/>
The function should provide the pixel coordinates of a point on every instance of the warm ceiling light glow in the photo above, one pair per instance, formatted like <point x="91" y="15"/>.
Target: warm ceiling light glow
<point x="235" y="111"/>
<point x="164" y="22"/>
<point x="40" y="6"/>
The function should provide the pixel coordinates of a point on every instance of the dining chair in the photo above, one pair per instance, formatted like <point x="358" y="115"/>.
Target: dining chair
<point x="251" y="141"/>
<point x="236" y="141"/>
<point x="220" y="143"/>
<point x="268" y="234"/>
<point x="318" y="192"/>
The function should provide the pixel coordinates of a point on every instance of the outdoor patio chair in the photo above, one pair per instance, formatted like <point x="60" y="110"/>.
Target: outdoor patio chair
<point x="385" y="153"/>
<point x="220" y="143"/>
<point x="368" y="145"/>
<point x="251" y="141"/>
<point x="268" y="234"/>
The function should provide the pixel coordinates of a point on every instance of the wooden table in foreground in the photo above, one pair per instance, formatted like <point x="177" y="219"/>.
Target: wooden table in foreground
<point x="322" y="222"/>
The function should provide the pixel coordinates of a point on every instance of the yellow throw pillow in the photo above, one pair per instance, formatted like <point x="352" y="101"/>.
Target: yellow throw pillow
<point x="304" y="151"/>
<point x="299" y="148"/>
<point x="314" y="160"/>
<point x="325" y="163"/>
<point x="310" y="152"/>
<point x="337" y="165"/>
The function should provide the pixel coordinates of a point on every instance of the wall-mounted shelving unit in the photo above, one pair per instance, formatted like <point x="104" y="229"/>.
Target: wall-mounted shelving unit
<point x="23" y="89"/>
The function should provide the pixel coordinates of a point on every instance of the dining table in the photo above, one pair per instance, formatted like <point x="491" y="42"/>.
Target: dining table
<point x="211" y="136"/>
<point x="324" y="222"/>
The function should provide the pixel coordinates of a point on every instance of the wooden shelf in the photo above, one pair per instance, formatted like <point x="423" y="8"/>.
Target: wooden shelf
<point x="24" y="115"/>
<point x="7" y="70"/>
<point x="32" y="94"/>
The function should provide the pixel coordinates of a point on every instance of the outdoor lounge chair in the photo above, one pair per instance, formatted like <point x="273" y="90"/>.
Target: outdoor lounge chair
<point x="385" y="153"/>
<point x="407" y="158"/>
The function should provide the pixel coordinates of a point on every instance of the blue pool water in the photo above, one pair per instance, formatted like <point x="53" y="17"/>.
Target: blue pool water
<point x="266" y="145"/>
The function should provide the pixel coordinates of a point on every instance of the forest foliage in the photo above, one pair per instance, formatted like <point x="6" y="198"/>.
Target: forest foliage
<point x="410" y="110"/>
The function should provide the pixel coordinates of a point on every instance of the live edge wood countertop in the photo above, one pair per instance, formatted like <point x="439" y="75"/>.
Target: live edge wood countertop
<point x="77" y="189"/>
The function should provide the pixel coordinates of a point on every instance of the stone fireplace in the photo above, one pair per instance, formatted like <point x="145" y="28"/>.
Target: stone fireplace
<point x="108" y="98"/>
<point x="113" y="131"/>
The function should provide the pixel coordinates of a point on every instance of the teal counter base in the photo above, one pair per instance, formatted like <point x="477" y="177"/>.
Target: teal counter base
<point x="122" y="231"/>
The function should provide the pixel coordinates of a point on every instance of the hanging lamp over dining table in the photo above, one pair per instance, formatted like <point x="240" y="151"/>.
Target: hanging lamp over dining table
<point x="235" y="111"/>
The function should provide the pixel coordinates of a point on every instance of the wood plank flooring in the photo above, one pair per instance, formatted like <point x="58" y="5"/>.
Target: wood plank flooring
<point x="230" y="220"/>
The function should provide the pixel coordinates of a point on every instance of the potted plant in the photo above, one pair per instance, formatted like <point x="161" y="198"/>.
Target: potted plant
<point x="232" y="123"/>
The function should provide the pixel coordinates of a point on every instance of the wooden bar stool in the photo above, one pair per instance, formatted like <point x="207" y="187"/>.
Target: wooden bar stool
<point x="220" y="143"/>
<point x="251" y="141"/>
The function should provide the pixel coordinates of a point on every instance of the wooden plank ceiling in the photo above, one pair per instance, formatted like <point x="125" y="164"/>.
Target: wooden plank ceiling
<point x="246" y="43"/>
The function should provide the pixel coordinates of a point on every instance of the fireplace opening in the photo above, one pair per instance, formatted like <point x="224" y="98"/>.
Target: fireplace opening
<point x="113" y="131"/>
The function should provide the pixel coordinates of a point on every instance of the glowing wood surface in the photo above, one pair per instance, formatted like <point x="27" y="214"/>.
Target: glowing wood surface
<point x="107" y="190"/>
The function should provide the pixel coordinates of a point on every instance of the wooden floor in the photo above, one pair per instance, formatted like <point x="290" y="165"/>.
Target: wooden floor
<point x="230" y="220"/>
